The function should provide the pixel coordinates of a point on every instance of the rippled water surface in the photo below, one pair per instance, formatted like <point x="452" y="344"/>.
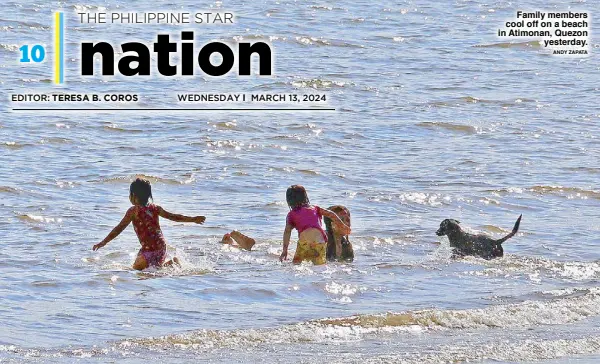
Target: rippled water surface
<point x="436" y="118"/>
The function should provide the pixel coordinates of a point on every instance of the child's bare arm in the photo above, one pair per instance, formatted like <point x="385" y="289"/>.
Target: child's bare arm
<point x="180" y="218"/>
<point x="115" y="232"/>
<point x="287" y="233"/>
<point x="338" y="223"/>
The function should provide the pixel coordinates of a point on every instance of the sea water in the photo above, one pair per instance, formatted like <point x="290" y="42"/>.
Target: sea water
<point x="435" y="118"/>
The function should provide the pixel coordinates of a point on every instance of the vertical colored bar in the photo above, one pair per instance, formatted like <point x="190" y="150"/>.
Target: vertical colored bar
<point x="62" y="48"/>
<point x="56" y="49"/>
<point x="59" y="76"/>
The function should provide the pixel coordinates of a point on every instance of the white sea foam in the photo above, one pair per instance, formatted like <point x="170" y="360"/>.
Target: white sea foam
<point x="520" y="351"/>
<point x="565" y="308"/>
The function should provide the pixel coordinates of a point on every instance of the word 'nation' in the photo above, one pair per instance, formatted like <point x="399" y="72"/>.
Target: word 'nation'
<point x="139" y="63"/>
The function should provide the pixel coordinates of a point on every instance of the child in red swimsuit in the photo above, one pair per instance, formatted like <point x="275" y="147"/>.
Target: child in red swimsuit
<point x="144" y="216"/>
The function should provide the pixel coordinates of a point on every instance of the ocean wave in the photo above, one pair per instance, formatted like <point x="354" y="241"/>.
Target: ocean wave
<point x="590" y="170"/>
<point x="226" y="125"/>
<point x="537" y="268"/>
<point x="563" y="309"/>
<point x="186" y="270"/>
<point x="120" y="260"/>
<point x="228" y="144"/>
<point x="256" y="37"/>
<point x="545" y="190"/>
<point x="88" y="8"/>
<point x="495" y="229"/>
<point x="39" y="27"/>
<point x="9" y="47"/>
<point x="320" y="84"/>
<point x="326" y="7"/>
<point x="34" y="80"/>
<point x="309" y="172"/>
<point x="152" y="179"/>
<point x="7" y="189"/>
<point x="520" y="351"/>
<point x="568" y="192"/>
<point x="558" y="307"/>
<point x="343" y="289"/>
<point x="18" y="24"/>
<point x="418" y="198"/>
<point x="39" y="219"/>
<point x="116" y="128"/>
<point x="558" y="310"/>
<point x="55" y="140"/>
<point x="277" y="205"/>
<point x="203" y="340"/>
<point x="467" y="129"/>
<point x="306" y="40"/>
<point x="474" y="100"/>
<point x="528" y="44"/>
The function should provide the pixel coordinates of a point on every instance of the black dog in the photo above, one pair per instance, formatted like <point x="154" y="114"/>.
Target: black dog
<point x="469" y="244"/>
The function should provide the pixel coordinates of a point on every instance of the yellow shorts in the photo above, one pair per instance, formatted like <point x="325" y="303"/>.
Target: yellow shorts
<point x="310" y="251"/>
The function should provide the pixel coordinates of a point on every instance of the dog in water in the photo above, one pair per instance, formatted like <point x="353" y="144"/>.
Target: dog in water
<point x="338" y="246"/>
<point x="464" y="244"/>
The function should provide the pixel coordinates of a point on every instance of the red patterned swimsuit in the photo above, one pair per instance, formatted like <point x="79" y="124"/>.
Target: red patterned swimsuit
<point x="145" y="224"/>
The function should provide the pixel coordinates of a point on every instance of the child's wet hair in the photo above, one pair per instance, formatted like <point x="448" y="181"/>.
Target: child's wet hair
<point x="347" y="252"/>
<point x="296" y="196"/>
<point x="142" y="190"/>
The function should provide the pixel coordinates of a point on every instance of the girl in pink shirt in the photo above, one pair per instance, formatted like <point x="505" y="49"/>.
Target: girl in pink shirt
<point x="306" y="218"/>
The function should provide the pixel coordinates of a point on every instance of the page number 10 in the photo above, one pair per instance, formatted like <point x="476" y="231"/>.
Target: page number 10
<point x="37" y="55"/>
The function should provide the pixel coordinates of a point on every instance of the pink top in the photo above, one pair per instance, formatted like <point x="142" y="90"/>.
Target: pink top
<point x="303" y="218"/>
